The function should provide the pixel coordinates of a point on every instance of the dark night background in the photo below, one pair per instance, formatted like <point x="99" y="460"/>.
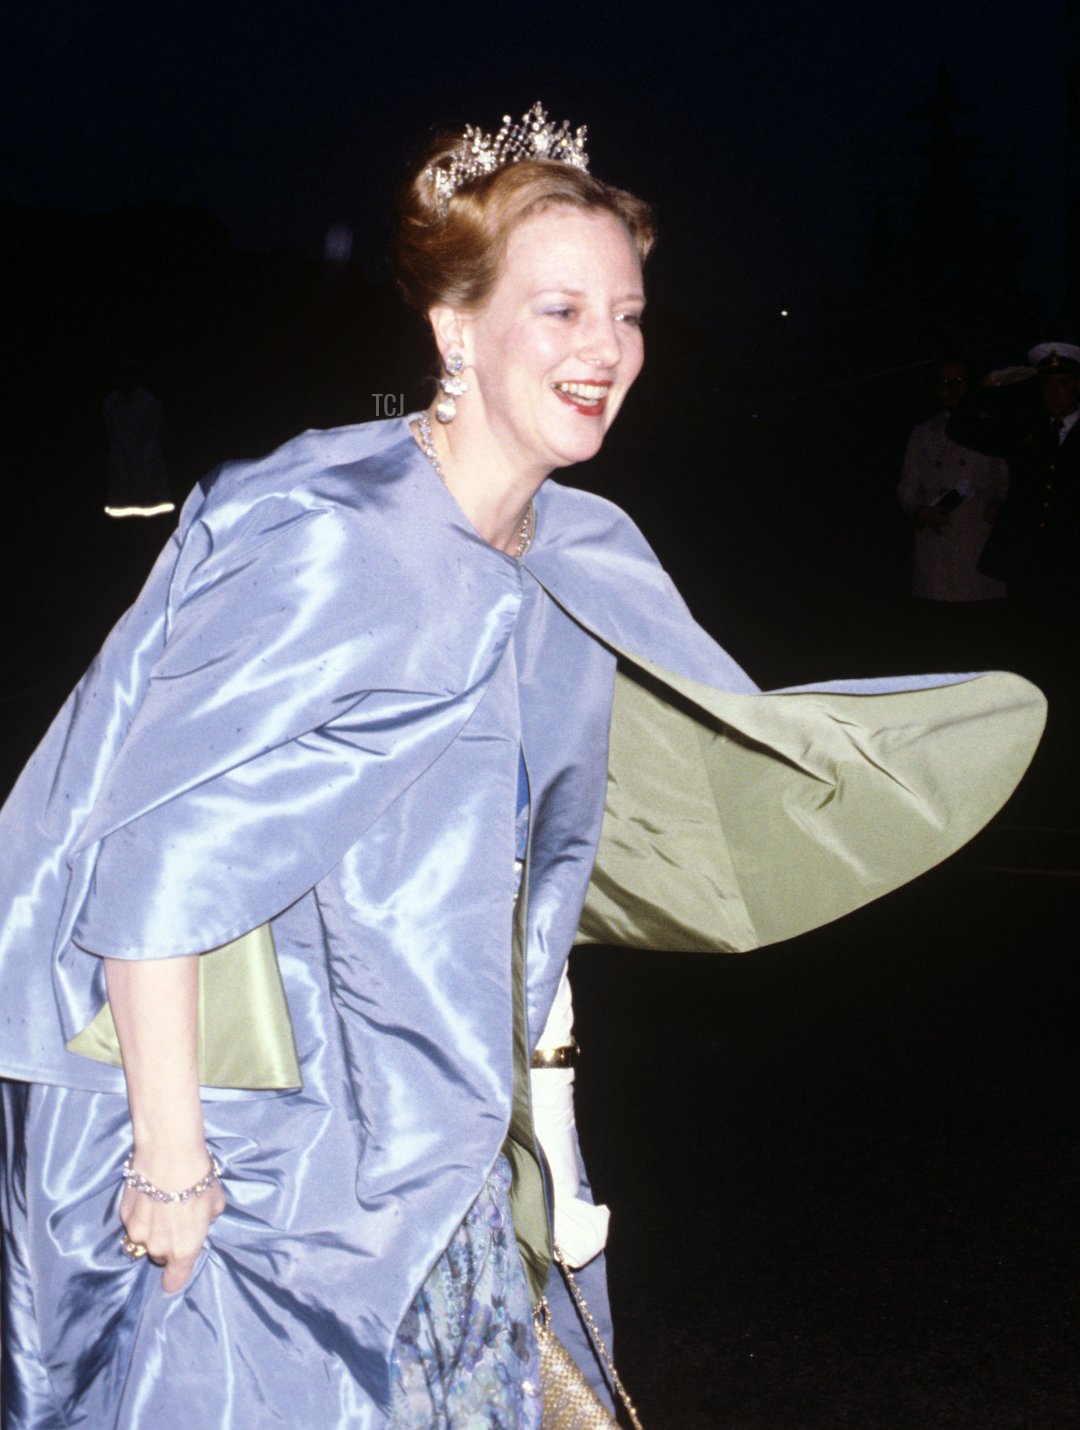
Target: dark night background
<point x="843" y="1171"/>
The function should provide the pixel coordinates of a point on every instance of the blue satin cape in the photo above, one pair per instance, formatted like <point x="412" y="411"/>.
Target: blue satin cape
<point x="309" y="725"/>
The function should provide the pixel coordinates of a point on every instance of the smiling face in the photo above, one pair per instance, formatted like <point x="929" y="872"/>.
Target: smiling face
<point x="556" y="347"/>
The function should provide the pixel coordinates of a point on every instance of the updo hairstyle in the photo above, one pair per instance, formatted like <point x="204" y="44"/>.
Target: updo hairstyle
<point x="454" y="259"/>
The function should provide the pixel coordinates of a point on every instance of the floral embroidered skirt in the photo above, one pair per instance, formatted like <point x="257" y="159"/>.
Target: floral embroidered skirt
<point x="466" y="1356"/>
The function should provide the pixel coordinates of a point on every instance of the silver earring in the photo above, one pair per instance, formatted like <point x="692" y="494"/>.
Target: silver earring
<point x="453" y="386"/>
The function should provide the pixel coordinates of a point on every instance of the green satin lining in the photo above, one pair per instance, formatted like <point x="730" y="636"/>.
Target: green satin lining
<point x="731" y="821"/>
<point x="528" y="1200"/>
<point x="246" y="1041"/>
<point x="245" y="1031"/>
<point x="737" y="820"/>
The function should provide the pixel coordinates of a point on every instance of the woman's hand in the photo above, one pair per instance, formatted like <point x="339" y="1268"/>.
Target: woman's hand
<point x="173" y="1233"/>
<point x="155" y="1006"/>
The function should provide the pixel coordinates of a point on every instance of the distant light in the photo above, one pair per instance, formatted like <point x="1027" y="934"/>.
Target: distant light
<point x="784" y="313"/>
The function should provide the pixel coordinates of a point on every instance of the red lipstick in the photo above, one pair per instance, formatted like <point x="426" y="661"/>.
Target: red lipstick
<point x="588" y="403"/>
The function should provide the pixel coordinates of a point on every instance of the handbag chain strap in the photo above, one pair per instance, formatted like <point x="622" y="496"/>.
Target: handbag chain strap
<point x="594" y="1332"/>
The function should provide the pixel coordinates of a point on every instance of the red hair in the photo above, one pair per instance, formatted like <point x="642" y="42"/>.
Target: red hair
<point x="454" y="258"/>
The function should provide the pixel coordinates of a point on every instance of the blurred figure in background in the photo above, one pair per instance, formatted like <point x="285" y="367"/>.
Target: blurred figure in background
<point x="952" y="494"/>
<point x="138" y="474"/>
<point x="1028" y="415"/>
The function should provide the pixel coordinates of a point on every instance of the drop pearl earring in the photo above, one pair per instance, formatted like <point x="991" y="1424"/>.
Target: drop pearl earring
<point x="453" y="386"/>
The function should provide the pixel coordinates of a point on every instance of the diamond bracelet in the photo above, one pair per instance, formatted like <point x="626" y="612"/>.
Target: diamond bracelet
<point x="139" y="1183"/>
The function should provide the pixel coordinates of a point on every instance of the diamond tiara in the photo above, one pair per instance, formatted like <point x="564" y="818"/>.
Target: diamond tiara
<point x="478" y="153"/>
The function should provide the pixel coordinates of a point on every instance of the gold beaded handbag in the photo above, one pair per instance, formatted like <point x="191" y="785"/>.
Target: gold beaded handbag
<point x="570" y="1403"/>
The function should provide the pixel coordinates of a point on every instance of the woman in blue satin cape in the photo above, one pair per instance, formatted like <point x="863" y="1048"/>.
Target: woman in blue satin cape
<point x="291" y="882"/>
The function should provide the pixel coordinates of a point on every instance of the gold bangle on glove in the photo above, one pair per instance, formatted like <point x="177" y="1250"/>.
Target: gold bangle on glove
<point x="567" y="1056"/>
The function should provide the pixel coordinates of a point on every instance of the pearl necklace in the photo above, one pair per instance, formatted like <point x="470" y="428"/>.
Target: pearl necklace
<point x="427" y="446"/>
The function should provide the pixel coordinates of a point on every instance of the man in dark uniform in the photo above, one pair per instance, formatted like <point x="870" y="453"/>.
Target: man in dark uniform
<point x="1030" y="415"/>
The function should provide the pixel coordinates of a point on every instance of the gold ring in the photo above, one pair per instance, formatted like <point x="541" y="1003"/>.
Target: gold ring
<point x="134" y="1249"/>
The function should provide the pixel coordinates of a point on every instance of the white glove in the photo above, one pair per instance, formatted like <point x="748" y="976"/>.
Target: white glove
<point x="580" y="1228"/>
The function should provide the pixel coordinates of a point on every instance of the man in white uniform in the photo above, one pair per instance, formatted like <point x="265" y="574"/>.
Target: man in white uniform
<point x="952" y="493"/>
